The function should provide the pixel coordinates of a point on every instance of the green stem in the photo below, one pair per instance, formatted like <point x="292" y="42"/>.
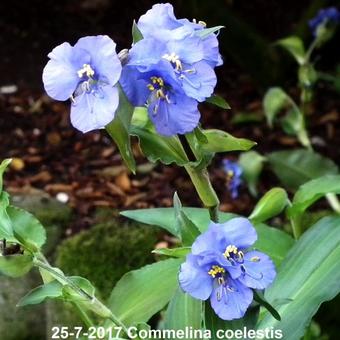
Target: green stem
<point x="207" y="194"/>
<point x="96" y="306"/>
<point x="83" y="315"/>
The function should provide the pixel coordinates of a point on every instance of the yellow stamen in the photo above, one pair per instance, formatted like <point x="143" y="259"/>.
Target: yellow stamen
<point x="216" y="270"/>
<point x="87" y="70"/>
<point x="231" y="249"/>
<point x="255" y="259"/>
<point x="174" y="58"/>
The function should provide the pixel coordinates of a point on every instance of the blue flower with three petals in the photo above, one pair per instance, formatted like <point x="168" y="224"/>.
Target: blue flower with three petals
<point x="222" y="268"/>
<point x="324" y="16"/>
<point x="87" y="73"/>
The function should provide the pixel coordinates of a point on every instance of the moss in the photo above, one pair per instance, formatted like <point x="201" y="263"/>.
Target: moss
<point x="106" y="252"/>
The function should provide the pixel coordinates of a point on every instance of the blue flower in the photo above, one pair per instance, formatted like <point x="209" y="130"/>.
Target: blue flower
<point x="223" y="268"/>
<point x="169" y="108"/>
<point x="234" y="173"/>
<point x="87" y="73"/>
<point x="195" y="76"/>
<point x="160" y="23"/>
<point x="324" y="16"/>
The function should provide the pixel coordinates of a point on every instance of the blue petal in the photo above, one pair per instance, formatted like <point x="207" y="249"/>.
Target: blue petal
<point x="156" y="21"/>
<point x="237" y="231"/>
<point x="189" y="49"/>
<point x="231" y="301"/>
<point x="211" y="50"/>
<point x="146" y="53"/>
<point x="104" y="59"/>
<point x="94" y="110"/>
<point x="177" y="117"/>
<point x="194" y="280"/>
<point x="134" y="88"/>
<point x="201" y="83"/>
<point x="259" y="270"/>
<point x="207" y="242"/>
<point x="60" y="74"/>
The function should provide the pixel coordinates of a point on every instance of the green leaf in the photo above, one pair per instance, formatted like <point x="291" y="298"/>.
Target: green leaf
<point x="218" y="101"/>
<point x="307" y="75"/>
<point x="220" y="141"/>
<point x="27" y="229"/>
<point x="136" y="33"/>
<point x="273" y="242"/>
<point x="293" y="168"/>
<point x="84" y="284"/>
<point x="312" y="191"/>
<point x="51" y="290"/>
<point x="258" y="297"/>
<point x="218" y="326"/>
<point x="6" y="230"/>
<point x="118" y="129"/>
<point x="274" y="101"/>
<point x="308" y="276"/>
<point x="173" y="252"/>
<point x="184" y="225"/>
<point x="15" y="265"/>
<point x="183" y="312"/>
<point x="207" y="31"/>
<point x="165" y="218"/>
<point x="141" y="293"/>
<point x="271" y="204"/>
<point x="159" y="148"/>
<point x="251" y="163"/>
<point x="3" y="166"/>
<point x="294" y="45"/>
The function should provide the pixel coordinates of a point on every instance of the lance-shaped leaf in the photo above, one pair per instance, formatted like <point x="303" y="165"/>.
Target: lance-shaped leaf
<point x="294" y="45"/>
<point x="312" y="191"/>
<point x="118" y="129"/>
<point x="6" y="229"/>
<point x="218" y="101"/>
<point x="207" y="31"/>
<point x="173" y="252"/>
<point x="187" y="229"/>
<point x="220" y="141"/>
<point x="159" y="148"/>
<point x="183" y="312"/>
<point x="294" y="168"/>
<point x="136" y="33"/>
<point x="271" y="204"/>
<point x="251" y="163"/>
<point x="27" y="229"/>
<point x="141" y="293"/>
<point x="308" y="276"/>
<point x="3" y="166"/>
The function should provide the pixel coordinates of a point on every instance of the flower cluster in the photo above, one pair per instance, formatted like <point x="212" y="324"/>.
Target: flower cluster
<point x="233" y="175"/>
<point x="324" y="16"/>
<point x="87" y="73"/>
<point x="221" y="267"/>
<point x="171" y="69"/>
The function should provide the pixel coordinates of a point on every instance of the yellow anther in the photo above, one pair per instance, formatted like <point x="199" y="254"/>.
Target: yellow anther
<point x="255" y="259"/>
<point x="160" y="94"/>
<point x="230" y="173"/>
<point x="216" y="270"/>
<point x="174" y="58"/>
<point x="150" y="87"/>
<point x="87" y="70"/>
<point x="231" y="249"/>
<point x="202" y="23"/>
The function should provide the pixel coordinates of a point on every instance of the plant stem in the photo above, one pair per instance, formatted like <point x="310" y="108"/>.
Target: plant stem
<point x="83" y="315"/>
<point x="96" y="306"/>
<point x="207" y="194"/>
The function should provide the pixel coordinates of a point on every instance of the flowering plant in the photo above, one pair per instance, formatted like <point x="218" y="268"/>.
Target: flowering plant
<point x="255" y="275"/>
